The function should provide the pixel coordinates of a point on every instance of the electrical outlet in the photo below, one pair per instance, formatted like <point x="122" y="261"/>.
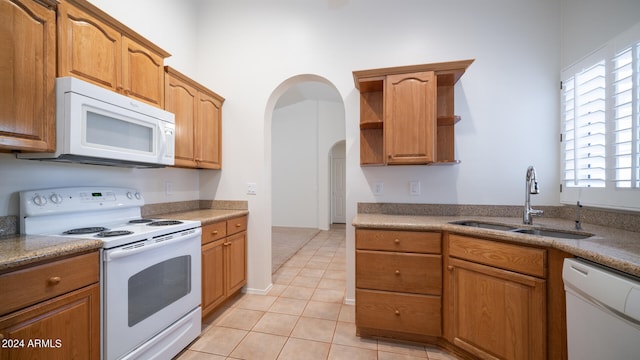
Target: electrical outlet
<point x="378" y="188"/>
<point x="414" y="188"/>
<point x="251" y="188"/>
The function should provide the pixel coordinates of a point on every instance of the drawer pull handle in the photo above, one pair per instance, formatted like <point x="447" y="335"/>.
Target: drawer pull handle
<point x="215" y="232"/>
<point x="238" y="225"/>
<point x="397" y="272"/>
<point x="397" y="241"/>
<point x="54" y="280"/>
<point x="398" y="312"/>
<point x="227" y="244"/>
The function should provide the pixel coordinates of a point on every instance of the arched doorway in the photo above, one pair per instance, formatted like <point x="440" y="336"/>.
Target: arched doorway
<point x="304" y="121"/>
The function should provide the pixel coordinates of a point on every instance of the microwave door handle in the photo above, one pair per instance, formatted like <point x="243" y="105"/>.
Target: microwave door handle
<point x="132" y="250"/>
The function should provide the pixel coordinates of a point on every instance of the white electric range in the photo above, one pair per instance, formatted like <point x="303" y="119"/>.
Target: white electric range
<point x="150" y="271"/>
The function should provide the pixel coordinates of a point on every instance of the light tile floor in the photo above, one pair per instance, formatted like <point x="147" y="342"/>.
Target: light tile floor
<point x="302" y="317"/>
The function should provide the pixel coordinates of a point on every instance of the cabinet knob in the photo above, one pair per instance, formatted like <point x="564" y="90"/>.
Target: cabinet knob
<point x="397" y="272"/>
<point x="54" y="280"/>
<point x="238" y="225"/>
<point x="398" y="312"/>
<point x="450" y="268"/>
<point x="215" y="232"/>
<point x="397" y="241"/>
<point x="227" y="244"/>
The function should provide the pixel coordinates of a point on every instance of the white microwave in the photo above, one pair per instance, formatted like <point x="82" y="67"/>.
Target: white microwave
<point x="98" y="126"/>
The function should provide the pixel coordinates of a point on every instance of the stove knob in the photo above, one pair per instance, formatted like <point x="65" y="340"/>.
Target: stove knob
<point x="39" y="200"/>
<point x="129" y="195"/>
<point x="55" y="198"/>
<point x="138" y="196"/>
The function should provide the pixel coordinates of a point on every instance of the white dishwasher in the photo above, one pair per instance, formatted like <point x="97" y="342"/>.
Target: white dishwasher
<point x="603" y="312"/>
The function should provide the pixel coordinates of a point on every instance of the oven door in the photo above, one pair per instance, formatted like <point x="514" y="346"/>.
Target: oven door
<point x="147" y="287"/>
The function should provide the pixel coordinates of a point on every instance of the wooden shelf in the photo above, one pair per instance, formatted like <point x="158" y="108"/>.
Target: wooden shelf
<point x="371" y="125"/>
<point x="445" y="120"/>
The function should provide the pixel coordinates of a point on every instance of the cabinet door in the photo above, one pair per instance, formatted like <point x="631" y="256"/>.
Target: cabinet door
<point x="410" y="118"/>
<point x="497" y="314"/>
<point x="209" y="137"/>
<point x="142" y="73"/>
<point x="65" y="327"/>
<point x="27" y="78"/>
<point x="181" y="99"/>
<point x="236" y="262"/>
<point x="88" y="48"/>
<point x="213" y="287"/>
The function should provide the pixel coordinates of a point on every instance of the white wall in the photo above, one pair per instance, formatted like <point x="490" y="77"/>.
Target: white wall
<point x="589" y="24"/>
<point x="302" y="136"/>
<point x="507" y="99"/>
<point x="295" y="166"/>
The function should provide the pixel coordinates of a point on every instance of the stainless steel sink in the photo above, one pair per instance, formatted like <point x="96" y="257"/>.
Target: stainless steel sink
<point x="554" y="233"/>
<point x="540" y="232"/>
<point x="484" y="225"/>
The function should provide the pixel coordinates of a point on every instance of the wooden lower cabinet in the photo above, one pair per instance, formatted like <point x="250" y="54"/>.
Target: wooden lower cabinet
<point x="495" y="313"/>
<point x="65" y="327"/>
<point x="478" y="298"/>
<point x="224" y="264"/>
<point x="51" y="311"/>
<point x="398" y="284"/>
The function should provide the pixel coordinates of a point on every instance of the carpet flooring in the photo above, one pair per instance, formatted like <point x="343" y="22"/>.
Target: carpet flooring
<point x="286" y="241"/>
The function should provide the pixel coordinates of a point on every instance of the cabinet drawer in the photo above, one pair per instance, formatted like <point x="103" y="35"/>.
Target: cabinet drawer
<point x="214" y="232"/>
<point x="409" y="313"/>
<point x="522" y="259"/>
<point x="404" y="241"/>
<point x="32" y="285"/>
<point x="236" y="225"/>
<point x="405" y="272"/>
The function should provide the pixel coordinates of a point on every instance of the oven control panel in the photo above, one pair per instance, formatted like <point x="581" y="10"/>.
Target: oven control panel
<point x="77" y="199"/>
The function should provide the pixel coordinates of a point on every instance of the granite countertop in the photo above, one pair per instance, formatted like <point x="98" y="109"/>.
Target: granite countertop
<point x="19" y="250"/>
<point x="615" y="248"/>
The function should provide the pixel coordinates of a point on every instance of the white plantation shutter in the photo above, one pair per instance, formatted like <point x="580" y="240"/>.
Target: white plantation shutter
<point x="585" y="128"/>
<point x="625" y="92"/>
<point x="600" y="126"/>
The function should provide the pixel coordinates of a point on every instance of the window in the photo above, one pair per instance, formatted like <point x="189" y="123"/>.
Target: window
<point x="600" y="126"/>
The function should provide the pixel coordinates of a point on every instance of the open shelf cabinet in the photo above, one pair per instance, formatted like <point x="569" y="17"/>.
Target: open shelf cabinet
<point x="436" y="135"/>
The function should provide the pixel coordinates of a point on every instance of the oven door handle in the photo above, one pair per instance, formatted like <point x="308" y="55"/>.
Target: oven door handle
<point x="147" y="245"/>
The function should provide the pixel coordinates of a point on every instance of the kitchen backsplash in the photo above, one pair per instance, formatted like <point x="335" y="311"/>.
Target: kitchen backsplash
<point x="619" y="219"/>
<point x="8" y="225"/>
<point x="166" y="208"/>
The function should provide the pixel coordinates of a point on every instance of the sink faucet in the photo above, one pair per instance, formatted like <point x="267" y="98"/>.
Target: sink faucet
<point x="531" y="188"/>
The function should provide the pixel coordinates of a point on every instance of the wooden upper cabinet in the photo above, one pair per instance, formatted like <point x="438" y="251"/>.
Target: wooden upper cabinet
<point x="142" y="73"/>
<point x="27" y="78"/>
<point x="411" y="118"/>
<point x="181" y="99"/>
<point x="209" y="142"/>
<point x="406" y="113"/>
<point x="89" y="48"/>
<point x="97" y="48"/>
<point x="198" y="112"/>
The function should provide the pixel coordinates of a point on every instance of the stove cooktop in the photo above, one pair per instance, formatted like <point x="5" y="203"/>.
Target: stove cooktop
<point x="117" y="234"/>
